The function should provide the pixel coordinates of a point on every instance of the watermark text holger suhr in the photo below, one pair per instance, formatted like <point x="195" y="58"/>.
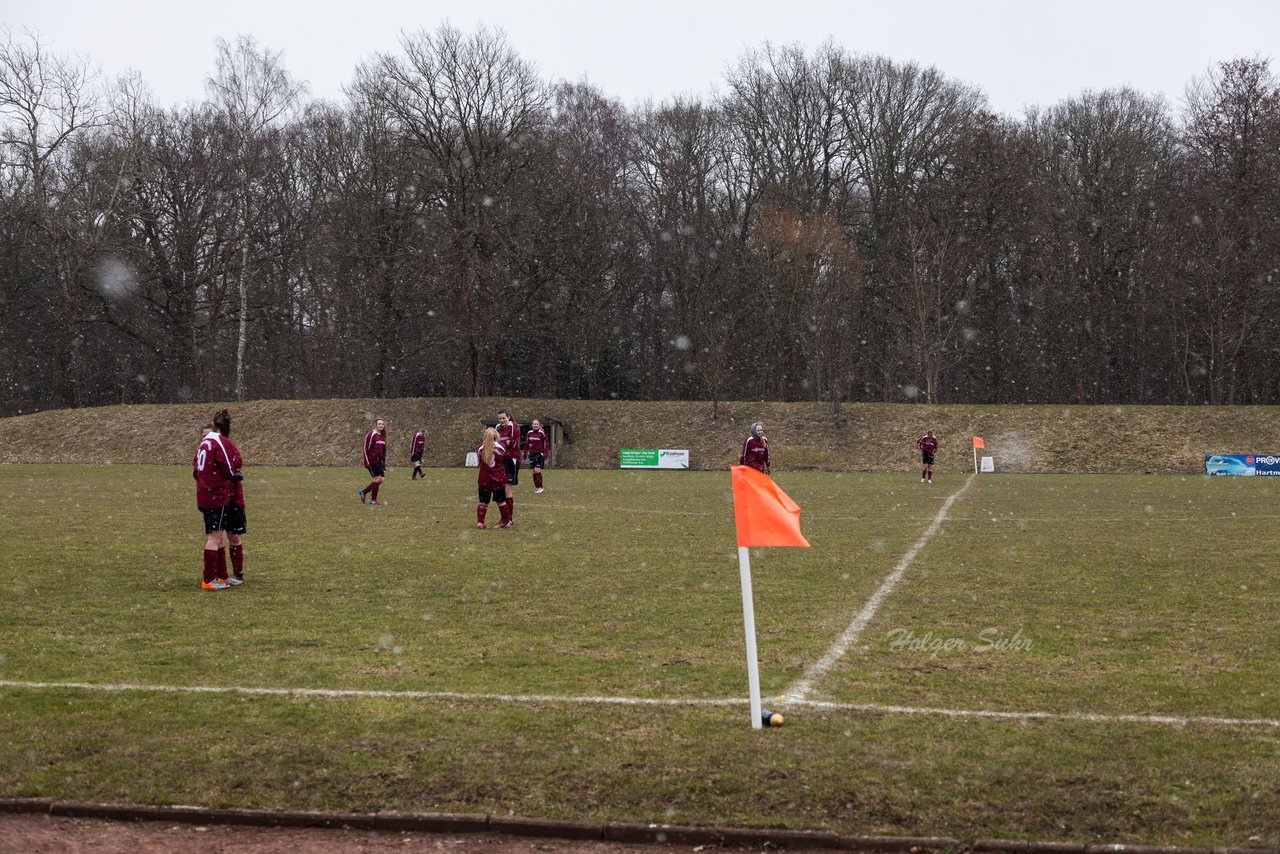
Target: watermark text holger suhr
<point x="988" y="640"/>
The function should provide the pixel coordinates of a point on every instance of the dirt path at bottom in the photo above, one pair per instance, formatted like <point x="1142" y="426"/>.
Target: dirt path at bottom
<point x="43" y="834"/>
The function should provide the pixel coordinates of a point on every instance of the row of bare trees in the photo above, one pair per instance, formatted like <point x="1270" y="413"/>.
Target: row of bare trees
<point x="832" y="227"/>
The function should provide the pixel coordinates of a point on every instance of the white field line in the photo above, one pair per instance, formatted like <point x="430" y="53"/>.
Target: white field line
<point x="1087" y="717"/>
<point x="671" y="702"/>
<point x="800" y="690"/>
<point x="339" y="693"/>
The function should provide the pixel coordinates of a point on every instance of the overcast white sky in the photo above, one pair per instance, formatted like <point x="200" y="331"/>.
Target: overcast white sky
<point x="1020" y="52"/>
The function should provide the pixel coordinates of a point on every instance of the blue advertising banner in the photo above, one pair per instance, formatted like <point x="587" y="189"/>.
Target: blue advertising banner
<point x="1239" y="464"/>
<point x="1243" y="464"/>
<point x="1267" y="464"/>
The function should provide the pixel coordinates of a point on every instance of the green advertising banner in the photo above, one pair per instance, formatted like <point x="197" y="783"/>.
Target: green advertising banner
<point x="651" y="458"/>
<point x="639" y="458"/>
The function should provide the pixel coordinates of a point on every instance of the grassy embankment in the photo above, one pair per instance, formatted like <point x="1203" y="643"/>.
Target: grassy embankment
<point x="870" y="438"/>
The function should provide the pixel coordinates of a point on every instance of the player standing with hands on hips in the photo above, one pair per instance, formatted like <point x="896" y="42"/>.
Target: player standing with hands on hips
<point x="375" y="460"/>
<point x="928" y="446"/>
<point x="509" y="436"/>
<point x="536" y="446"/>
<point x="755" y="450"/>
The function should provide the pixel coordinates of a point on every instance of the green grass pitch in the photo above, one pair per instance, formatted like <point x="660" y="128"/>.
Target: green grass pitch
<point x="1108" y="595"/>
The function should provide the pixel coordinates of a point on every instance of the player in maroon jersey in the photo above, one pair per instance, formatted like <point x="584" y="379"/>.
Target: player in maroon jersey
<point x="236" y="520"/>
<point x="928" y="446"/>
<point x="536" y="445"/>
<point x="492" y="478"/>
<point x="215" y="474"/>
<point x="755" y="450"/>
<point x="375" y="460"/>
<point x="416" y="448"/>
<point x="509" y="436"/>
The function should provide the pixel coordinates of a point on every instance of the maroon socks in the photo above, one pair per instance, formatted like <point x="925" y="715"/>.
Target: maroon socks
<point x="237" y="559"/>
<point x="210" y="565"/>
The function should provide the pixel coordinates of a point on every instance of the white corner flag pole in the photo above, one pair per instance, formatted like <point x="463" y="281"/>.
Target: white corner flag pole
<point x="749" y="626"/>
<point x="975" y="459"/>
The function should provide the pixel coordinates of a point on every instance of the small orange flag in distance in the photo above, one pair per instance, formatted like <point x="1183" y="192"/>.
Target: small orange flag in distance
<point x="763" y="513"/>
<point x="978" y="443"/>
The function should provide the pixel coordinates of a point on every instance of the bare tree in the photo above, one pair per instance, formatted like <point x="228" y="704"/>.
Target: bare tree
<point x="792" y="144"/>
<point x="473" y="111"/>
<point x="906" y="124"/>
<point x="1228" y="223"/>
<point x="686" y="229"/>
<point x="994" y="203"/>
<point x="812" y="275"/>
<point x="582" y="257"/>
<point x="254" y="90"/>
<point x="46" y="101"/>
<point x="1104" y="158"/>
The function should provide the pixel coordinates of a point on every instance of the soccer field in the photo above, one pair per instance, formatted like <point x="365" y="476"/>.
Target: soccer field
<point x="1084" y="658"/>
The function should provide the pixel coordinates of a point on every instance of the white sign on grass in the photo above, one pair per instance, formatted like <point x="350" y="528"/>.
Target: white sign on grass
<point x="473" y="460"/>
<point x="989" y="464"/>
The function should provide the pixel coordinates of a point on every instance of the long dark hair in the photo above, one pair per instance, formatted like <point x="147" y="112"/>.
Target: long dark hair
<point x="222" y="422"/>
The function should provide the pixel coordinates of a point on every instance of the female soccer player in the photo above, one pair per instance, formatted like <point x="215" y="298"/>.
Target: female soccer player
<point x="215" y="473"/>
<point x="492" y="479"/>
<point x="755" y="449"/>
<point x="375" y="460"/>
<point x="928" y="446"/>
<point x="416" y="448"/>
<point x="536" y="446"/>
<point x="236" y="520"/>
<point x="509" y="436"/>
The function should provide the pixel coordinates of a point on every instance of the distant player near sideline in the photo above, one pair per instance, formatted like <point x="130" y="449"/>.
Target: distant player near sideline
<point x="416" y="448"/>
<point x="755" y="450"/>
<point x="536" y="446"/>
<point x="928" y="446"/>
<point x="375" y="460"/>
<point x="509" y="436"/>
<point x="492" y="478"/>
<point x="215" y="474"/>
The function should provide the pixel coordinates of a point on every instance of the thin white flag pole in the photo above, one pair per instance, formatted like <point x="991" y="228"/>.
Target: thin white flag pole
<point x="975" y="459"/>
<point x="749" y="626"/>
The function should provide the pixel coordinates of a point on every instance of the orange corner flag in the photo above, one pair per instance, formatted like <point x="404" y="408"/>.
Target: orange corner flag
<point x="763" y="513"/>
<point x="978" y="443"/>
